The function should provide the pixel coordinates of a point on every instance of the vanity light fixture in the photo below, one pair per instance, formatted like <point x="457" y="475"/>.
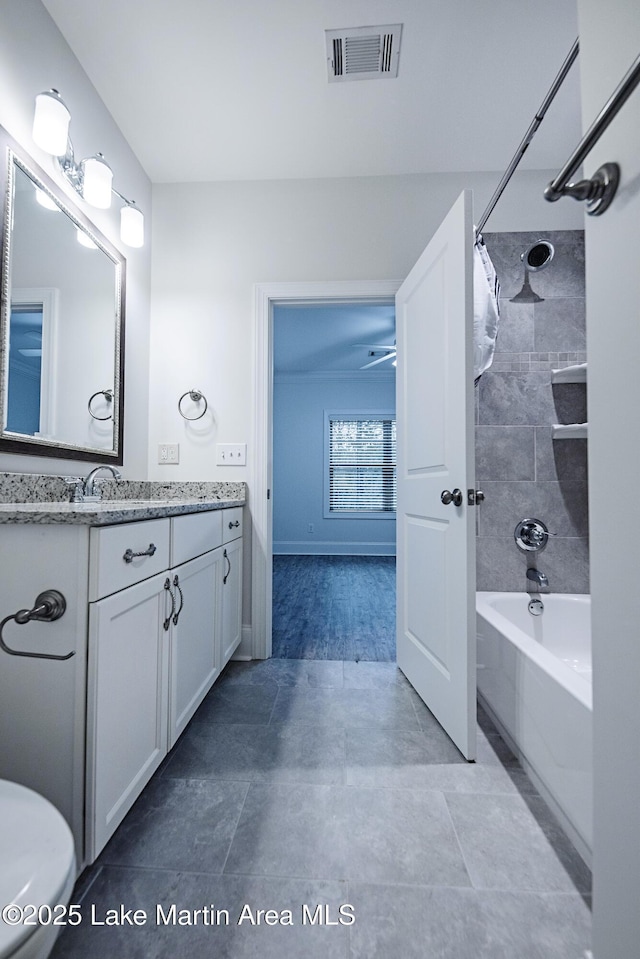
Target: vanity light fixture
<point x="46" y="201"/>
<point x="91" y="178"/>
<point x="85" y="240"/>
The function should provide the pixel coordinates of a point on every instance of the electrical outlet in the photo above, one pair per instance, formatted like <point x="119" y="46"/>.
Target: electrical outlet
<point x="169" y="454"/>
<point x="231" y="454"/>
<point x="310" y="528"/>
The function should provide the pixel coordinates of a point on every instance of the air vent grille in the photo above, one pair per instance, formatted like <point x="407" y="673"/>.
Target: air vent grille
<point x="363" y="53"/>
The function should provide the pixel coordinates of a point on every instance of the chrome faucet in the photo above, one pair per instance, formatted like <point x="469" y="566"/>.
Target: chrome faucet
<point x="537" y="577"/>
<point x="88" y="493"/>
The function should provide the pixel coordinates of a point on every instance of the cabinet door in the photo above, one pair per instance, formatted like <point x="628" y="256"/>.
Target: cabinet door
<point x="127" y="702"/>
<point x="231" y="599"/>
<point x="195" y="627"/>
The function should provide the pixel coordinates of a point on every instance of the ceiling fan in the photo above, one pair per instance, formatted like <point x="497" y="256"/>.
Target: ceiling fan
<point x="378" y="353"/>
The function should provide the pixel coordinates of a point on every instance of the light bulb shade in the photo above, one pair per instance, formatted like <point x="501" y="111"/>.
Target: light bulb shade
<point x="97" y="178"/>
<point x="46" y="201"/>
<point x="51" y="123"/>
<point x="131" y="226"/>
<point x="85" y="240"/>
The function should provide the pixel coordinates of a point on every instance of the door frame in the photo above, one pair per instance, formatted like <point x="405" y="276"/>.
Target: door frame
<point x="266" y="296"/>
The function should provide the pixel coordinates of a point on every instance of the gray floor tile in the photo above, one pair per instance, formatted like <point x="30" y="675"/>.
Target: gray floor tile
<point x="146" y="888"/>
<point x="372" y="675"/>
<point x="406" y="759"/>
<point x="292" y="830"/>
<point x="286" y="672"/>
<point x="279" y="753"/>
<point x="179" y="824"/>
<point x="235" y="703"/>
<point x="396" y="757"/>
<point x="389" y="706"/>
<point x="401" y="835"/>
<point x="506" y="844"/>
<point x="437" y="923"/>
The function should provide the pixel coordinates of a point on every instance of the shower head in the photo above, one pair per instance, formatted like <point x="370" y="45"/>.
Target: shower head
<point x="535" y="258"/>
<point x="538" y="256"/>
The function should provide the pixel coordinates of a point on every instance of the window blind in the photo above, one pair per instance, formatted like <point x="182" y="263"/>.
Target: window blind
<point x="362" y="465"/>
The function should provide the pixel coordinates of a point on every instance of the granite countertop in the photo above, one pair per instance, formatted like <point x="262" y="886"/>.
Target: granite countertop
<point x="30" y="499"/>
<point x="108" y="511"/>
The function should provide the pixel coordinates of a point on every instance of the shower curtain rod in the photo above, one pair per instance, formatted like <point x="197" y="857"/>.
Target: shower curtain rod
<point x="529" y="135"/>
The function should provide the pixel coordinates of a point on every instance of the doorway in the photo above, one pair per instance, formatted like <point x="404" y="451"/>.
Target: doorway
<point x="269" y="298"/>
<point x="334" y="481"/>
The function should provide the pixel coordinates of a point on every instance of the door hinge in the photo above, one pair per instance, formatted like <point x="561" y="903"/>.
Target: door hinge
<point x="268" y="494"/>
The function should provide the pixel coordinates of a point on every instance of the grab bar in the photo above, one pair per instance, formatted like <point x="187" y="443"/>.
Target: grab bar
<point x="600" y="189"/>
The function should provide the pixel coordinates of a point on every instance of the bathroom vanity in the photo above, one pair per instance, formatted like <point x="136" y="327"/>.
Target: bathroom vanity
<point x="153" y="592"/>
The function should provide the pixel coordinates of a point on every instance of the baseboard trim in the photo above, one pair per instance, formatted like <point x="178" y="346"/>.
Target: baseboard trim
<point x="330" y="548"/>
<point x="244" y="652"/>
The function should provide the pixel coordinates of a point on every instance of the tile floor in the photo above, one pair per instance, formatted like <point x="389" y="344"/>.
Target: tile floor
<point x="306" y="783"/>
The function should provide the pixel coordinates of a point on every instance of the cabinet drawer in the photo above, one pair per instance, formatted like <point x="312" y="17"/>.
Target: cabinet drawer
<point x="194" y="534"/>
<point x="231" y="524"/>
<point x="111" y="568"/>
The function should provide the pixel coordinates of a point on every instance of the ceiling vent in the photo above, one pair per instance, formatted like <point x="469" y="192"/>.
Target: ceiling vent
<point x="363" y="53"/>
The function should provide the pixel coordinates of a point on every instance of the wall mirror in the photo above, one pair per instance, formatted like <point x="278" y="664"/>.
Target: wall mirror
<point x="61" y="322"/>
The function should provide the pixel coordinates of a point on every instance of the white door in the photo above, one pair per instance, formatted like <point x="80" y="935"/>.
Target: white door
<point x="435" y="420"/>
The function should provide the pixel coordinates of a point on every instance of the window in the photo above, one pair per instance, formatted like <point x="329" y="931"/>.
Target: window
<point x="360" y="465"/>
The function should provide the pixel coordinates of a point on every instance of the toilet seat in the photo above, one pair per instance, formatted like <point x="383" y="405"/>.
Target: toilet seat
<point x="38" y="866"/>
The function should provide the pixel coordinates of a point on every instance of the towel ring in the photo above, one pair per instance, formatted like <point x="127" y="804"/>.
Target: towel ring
<point x="196" y="396"/>
<point x="108" y="395"/>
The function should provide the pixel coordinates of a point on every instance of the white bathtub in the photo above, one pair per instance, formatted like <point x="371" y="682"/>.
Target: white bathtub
<point x="534" y="679"/>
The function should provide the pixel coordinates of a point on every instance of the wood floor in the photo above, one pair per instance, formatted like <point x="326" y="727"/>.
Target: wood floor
<point x="334" y="607"/>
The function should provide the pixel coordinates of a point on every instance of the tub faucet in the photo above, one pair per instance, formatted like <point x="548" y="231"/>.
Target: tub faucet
<point x="537" y="577"/>
<point x="88" y="489"/>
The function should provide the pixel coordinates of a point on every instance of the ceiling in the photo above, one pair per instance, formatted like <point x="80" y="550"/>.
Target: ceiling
<point x="330" y="338"/>
<point x="208" y="90"/>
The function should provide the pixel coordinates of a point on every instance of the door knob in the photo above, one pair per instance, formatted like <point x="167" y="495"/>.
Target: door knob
<point x="454" y="497"/>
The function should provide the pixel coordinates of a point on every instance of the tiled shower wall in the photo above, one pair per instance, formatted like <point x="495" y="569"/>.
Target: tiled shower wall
<point x="522" y="471"/>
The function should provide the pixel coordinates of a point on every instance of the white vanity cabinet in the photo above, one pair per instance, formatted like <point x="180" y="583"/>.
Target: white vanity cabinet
<point x="196" y="618"/>
<point x="153" y="613"/>
<point x="155" y="647"/>
<point x="127" y="702"/>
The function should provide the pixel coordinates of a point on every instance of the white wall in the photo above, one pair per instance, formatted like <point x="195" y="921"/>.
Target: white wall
<point x="213" y="241"/>
<point x="299" y="404"/>
<point x="35" y="57"/>
<point x="610" y="42"/>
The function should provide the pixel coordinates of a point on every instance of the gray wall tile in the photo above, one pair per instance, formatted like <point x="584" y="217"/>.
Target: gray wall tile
<point x="559" y="324"/>
<point x="561" y="506"/>
<point x="515" y="330"/>
<point x="516" y="399"/>
<point x="501" y="566"/>
<point x="565" y="275"/>
<point x="561" y="460"/>
<point x="570" y="402"/>
<point x="522" y="470"/>
<point x="505" y="452"/>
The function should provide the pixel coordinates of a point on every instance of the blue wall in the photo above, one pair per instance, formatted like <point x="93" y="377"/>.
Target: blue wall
<point x="299" y="402"/>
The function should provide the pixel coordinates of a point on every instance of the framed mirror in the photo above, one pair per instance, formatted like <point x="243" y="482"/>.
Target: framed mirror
<point x="61" y="322"/>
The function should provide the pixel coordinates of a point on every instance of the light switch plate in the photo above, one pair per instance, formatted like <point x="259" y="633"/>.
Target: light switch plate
<point x="231" y="454"/>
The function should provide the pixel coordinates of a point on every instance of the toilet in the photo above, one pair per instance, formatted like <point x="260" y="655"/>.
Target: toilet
<point x="37" y="867"/>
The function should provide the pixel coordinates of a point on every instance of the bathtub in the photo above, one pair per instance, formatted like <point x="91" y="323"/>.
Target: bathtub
<point x="534" y="680"/>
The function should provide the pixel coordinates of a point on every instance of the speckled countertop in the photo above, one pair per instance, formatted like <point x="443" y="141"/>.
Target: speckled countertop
<point x="34" y="498"/>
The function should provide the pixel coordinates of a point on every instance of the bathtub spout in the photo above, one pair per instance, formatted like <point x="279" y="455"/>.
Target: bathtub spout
<point x="537" y="577"/>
